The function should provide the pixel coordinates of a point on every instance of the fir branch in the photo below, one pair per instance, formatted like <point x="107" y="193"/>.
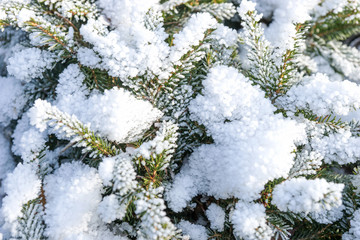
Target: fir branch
<point x="282" y="229"/>
<point x="220" y="11"/>
<point x="85" y="137"/>
<point x="342" y="58"/>
<point x="181" y="74"/>
<point x="336" y="26"/>
<point x="99" y="79"/>
<point x="288" y="69"/>
<point x="154" y="224"/>
<point x="77" y="131"/>
<point x="333" y="122"/>
<point x="176" y="13"/>
<point x="264" y="70"/>
<point x="31" y="224"/>
<point x="52" y="38"/>
<point x="152" y="167"/>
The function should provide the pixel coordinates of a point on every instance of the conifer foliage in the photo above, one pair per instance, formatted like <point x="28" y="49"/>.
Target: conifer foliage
<point x="154" y="120"/>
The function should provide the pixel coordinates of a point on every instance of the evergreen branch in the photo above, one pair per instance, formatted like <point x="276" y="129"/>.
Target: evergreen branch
<point x="81" y="10"/>
<point x="336" y="26"/>
<point x="195" y="65"/>
<point x="187" y="62"/>
<point x="306" y="230"/>
<point x="332" y="121"/>
<point x="176" y="13"/>
<point x="34" y="26"/>
<point x="305" y="163"/>
<point x="40" y="22"/>
<point x="343" y="59"/>
<point x="31" y="224"/>
<point x="220" y="11"/>
<point x="284" y="72"/>
<point x="80" y="133"/>
<point x="99" y="79"/>
<point x="340" y="33"/>
<point x="161" y="92"/>
<point x="66" y="21"/>
<point x="281" y="228"/>
<point x="355" y="128"/>
<point x="154" y="224"/>
<point x="86" y="137"/>
<point x="44" y="87"/>
<point x="152" y="167"/>
<point x="264" y="70"/>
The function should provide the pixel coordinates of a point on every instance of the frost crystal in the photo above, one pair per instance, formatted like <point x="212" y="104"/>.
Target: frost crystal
<point x="330" y="5"/>
<point x="216" y="216"/>
<point x="281" y="31"/>
<point x="30" y="63"/>
<point x="163" y="144"/>
<point x="127" y="117"/>
<point x="302" y="195"/>
<point x="340" y="147"/>
<point x="190" y="36"/>
<point x="126" y="13"/>
<point x="119" y="109"/>
<point x="110" y="210"/>
<point x="106" y="170"/>
<point x="354" y="231"/>
<point x="328" y="216"/>
<point x="194" y="231"/>
<point x="21" y="186"/>
<point x="252" y="145"/>
<point x="154" y="222"/>
<point x="249" y="220"/>
<point x="245" y="7"/>
<point x="12" y="99"/>
<point x="171" y="4"/>
<point x="76" y="189"/>
<point x="28" y="141"/>
<point x="6" y="160"/>
<point x="306" y="162"/>
<point x="322" y="96"/>
<point x="124" y="175"/>
<point x="70" y="84"/>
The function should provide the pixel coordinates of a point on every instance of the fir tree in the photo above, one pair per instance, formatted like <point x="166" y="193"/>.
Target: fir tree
<point x="154" y="120"/>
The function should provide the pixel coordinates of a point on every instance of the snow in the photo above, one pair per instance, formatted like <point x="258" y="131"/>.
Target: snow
<point x="281" y="31"/>
<point x="29" y="63"/>
<point x="7" y="163"/>
<point x="109" y="209"/>
<point x="216" y="216"/>
<point x="127" y="117"/>
<point x="252" y="145"/>
<point x="194" y="231"/>
<point x="301" y="195"/>
<point x="70" y="88"/>
<point x="249" y="220"/>
<point x="184" y="99"/>
<point x="28" y="141"/>
<point x="124" y="174"/>
<point x="354" y="231"/>
<point x="12" y="99"/>
<point x="322" y="96"/>
<point x="106" y="170"/>
<point x="76" y="189"/>
<point x="191" y="35"/>
<point x="21" y="186"/>
<point x="328" y="216"/>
